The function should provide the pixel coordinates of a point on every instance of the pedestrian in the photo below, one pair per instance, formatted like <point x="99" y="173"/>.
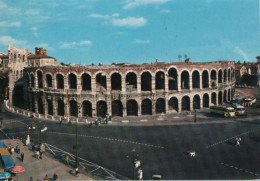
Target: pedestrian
<point x="55" y="176"/>
<point x="237" y="141"/>
<point x="40" y="155"/>
<point x="37" y="154"/>
<point x="33" y="147"/>
<point x="12" y="150"/>
<point x="67" y="158"/>
<point x="46" y="177"/>
<point x="22" y="156"/>
<point x="17" y="149"/>
<point x="76" y="171"/>
<point x="31" y="178"/>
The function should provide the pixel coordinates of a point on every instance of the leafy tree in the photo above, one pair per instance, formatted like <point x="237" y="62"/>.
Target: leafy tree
<point x="238" y="62"/>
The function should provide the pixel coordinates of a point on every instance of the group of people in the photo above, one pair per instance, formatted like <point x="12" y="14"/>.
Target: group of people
<point x="17" y="150"/>
<point x="54" y="177"/>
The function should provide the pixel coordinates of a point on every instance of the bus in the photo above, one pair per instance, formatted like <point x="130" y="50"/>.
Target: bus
<point x="225" y="111"/>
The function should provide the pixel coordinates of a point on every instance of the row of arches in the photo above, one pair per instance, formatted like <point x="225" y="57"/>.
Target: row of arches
<point x="132" y="107"/>
<point x="204" y="79"/>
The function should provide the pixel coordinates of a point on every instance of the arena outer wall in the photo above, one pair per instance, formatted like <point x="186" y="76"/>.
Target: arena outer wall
<point x="127" y="89"/>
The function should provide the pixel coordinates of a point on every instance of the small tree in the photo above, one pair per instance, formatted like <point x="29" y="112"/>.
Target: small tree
<point x="238" y="62"/>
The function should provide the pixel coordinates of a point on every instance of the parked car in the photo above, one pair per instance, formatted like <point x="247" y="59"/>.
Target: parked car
<point x="249" y="101"/>
<point x="239" y="109"/>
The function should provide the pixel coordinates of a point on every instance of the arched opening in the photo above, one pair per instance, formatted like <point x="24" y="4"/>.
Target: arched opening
<point x="160" y="106"/>
<point x="195" y="80"/>
<point x="225" y="75"/>
<point x="213" y="77"/>
<point x="40" y="106"/>
<point x="72" y="81"/>
<point x="60" y="107"/>
<point x="50" y="107"/>
<point x="87" y="108"/>
<point x="116" y="83"/>
<point x="117" y="108"/>
<point x="60" y="81"/>
<point x="101" y="109"/>
<point x="229" y="95"/>
<point x="132" y="108"/>
<point x="220" y="97"/>
<point x="18" y="95"/>
<point x="32" y="80"/>
<point x="101" y="82"/>
<point x="185" y="103"/>
<point x="232" y="73"/>
<point x="27" y="80"/>
<point x="205" y="79"/>
<point x="73" y="108"/>
<point x="173" y="79"/>
<point x="40" y="81"/>
<point x="232" y="92"/>
<point x="173" y="104"/>
<point x="185" y="80"/>
<point x="49" y="80"/>
<point x="225" y="96"/>
<point x="205" y="100"/>
<point x="196" y="102"/>
<point x="146" y="107"/>
<point x="214" y="98"/>
<point x="86" y="81"/>
<point x="160" y="80"/>
<point x="220" y="76"/>
<point x="229" y="75"/>
<point x="131" y="82"/>
<point x="146" y="81"/>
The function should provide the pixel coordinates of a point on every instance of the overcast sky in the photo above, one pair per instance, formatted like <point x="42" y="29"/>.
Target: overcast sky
<point x="134" y="31"/>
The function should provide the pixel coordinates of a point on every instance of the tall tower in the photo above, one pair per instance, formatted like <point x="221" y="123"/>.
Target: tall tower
<point x="258" y="70"/>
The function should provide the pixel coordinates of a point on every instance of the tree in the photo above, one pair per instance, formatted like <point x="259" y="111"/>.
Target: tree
<point x="238" y="62"/>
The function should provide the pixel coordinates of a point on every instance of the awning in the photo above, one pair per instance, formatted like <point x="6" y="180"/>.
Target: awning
<point x="8" y="162"/>
<point x="2" y="145"/>
<point x="4" y="175"/>
<point x="17" y="169"/>
<point x="4" y="151"/>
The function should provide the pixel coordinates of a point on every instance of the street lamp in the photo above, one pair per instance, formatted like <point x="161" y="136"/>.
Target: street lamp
<point x="133" y="157"/>
<point x="76" y="146"/>
<point x="195" y="115"/>
<point x="41" y="130"/>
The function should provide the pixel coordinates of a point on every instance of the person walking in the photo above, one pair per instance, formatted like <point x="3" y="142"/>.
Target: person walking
<point x="76" y="171"/>
<point x="22" y="156"/>
<point x="46" y="177"/>
<point x="55" y="176"/>
<point x="40" y="154"/>
<point x="17" y="149"/>
<point x="37" y="154"/>
<point x="67" y="158"/>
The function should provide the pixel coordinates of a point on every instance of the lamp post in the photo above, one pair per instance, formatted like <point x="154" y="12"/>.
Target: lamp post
<point x="133" y="157"/>
<point x="77" y="145"/>
<point x="41" y="130"/>
<point x="195" y="115"/>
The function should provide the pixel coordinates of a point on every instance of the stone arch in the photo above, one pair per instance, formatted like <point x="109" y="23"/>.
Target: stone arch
<point x="132" y="108"/>
<point x="229" y="75"/>
<point x="116" y="81"/>
<point x="86" y="81"/>
<point x="87" y="108"/>
<point x="101" y="108"/>
<point x="195" y="79"/>
<point x="173" y="104"/>
<point x="73" y="108"/>
<point x="213" y="77"/>
<point x="225" y="96"/>
<point x="205" y="100"/>
<point x="60" y="107"/>
<point x="146" y="81"/>
<point x="160" y="106"/>
<point x="49" y="80"/>
<point x="185" y="103"/>
<point x="185" y="79"/>
<point x="220" y="97"/>
<point x="196" y="102"/>
<point x="205" y="79"/>
<point x="220" y="76"/>
<point x="50" y="106"/>
<point x="32" y="80"/>
<point x="40" y="106"/>
<point x="40" y="79"/>
<point x="72" y="81"/>
<point x="60" y="81"/>
<point x="232" y="73"/>
<point x="117" y="108"/>
<point x="159" y="80"/>
<point x="173" y="78"/>
<point x="101" y="81"/>
<point x="214" y="98"/>
<point x="131" y="81"/>
<point x="225" y="75"/>
<point x="146" y="107"/>
<point x="229" y="95"/>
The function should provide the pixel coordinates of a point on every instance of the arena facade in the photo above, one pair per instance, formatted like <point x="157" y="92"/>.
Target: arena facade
<point x="127" y="89"/>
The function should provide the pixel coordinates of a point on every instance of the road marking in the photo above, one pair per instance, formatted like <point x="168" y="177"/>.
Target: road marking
<point x="239" y="169"/>
<point x="104" y="138"/>
<point x="125" y="121"/>
<point x="209" y="146"/>
<point x="143" y="120"/>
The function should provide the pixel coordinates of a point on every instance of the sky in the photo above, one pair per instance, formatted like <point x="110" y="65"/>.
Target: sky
<point x="133" y="31"/>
